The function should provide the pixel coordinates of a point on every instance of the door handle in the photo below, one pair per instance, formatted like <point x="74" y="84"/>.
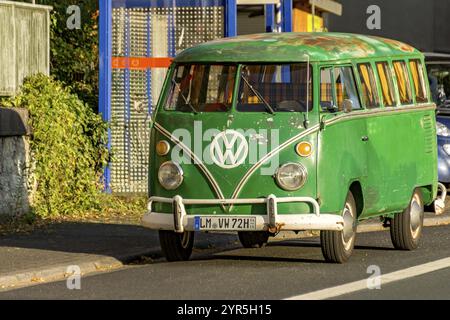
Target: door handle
<point x="365" y="138"/>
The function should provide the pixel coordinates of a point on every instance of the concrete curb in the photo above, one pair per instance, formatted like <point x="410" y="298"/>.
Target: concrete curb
<point x="48" y="274"/>
<point x="15" y="280"/>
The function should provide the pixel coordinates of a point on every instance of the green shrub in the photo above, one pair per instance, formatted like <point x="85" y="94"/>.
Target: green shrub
<point x="68" y="146"/>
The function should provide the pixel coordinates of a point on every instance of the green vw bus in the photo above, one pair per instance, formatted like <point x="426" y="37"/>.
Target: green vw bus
<point x="291" y="132"/>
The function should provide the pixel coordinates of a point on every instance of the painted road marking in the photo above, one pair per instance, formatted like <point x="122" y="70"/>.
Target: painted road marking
<point x="385" y="279"/>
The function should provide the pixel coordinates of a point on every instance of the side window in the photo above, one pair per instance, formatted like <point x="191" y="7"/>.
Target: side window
<point x="326" y="90"/>
<point x="403" y="83"/>
<point x="368" y="86"/>
<point x="338" y="85"/>
<point x="387" y="84"/>
<point x="417" y="73"/>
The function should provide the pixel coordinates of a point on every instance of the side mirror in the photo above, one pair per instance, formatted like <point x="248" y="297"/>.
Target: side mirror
<point x="348" y="105"/>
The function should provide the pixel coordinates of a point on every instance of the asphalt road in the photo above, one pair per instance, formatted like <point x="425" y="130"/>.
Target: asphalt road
<point x="280" y="271"/>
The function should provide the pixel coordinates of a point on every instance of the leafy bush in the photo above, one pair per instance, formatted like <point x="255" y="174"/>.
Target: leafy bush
<point x="68" y="146"/>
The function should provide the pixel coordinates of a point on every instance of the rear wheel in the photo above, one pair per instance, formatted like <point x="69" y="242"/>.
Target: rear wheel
<point x="176" y="246"/>
<point x="407" y="227"/>
<point x="254" y="239"/>
<point x="337" y="246"/>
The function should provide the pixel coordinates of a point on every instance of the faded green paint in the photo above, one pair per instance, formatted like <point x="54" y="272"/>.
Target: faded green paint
<point x="400" y="156"/>
<point x="25" y="46"/>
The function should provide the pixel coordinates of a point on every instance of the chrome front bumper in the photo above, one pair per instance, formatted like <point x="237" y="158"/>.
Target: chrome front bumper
<point x="274" y="222"/>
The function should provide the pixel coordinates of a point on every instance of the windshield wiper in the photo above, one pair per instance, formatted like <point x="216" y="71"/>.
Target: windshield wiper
<point x="258" y="94"/>
<point x="186" y="101"/>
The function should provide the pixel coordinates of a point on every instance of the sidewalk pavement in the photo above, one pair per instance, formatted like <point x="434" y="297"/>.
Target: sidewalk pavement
<point x="46" y="254"/>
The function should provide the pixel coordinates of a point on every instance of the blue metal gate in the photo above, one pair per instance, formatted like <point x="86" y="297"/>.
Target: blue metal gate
<point x="138" y="38"/>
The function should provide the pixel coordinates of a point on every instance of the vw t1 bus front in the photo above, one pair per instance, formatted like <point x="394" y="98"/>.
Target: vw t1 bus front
<point x="234" y="148"/>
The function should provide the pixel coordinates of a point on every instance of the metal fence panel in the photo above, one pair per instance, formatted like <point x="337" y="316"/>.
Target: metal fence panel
<point x="158" y="30"/>
<point x="25" y="43"/>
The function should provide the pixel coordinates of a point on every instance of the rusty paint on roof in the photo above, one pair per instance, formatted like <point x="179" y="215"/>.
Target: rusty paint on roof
<point x="290" y="47"/>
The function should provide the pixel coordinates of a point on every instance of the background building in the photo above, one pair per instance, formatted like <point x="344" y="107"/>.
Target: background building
<point x="423" y="24"/>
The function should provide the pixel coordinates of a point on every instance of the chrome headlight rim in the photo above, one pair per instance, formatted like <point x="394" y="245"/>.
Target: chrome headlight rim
<point x="285" y="187"/>
<point x="446" y="148"/>
<point x="180" y="174"/>
<point x="442" y="130"/>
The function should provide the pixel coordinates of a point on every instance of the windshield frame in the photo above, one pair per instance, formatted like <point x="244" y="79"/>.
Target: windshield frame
<point x="162" y="104"/>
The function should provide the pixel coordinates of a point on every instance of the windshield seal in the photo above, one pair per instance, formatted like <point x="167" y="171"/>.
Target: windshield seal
<point x="234" y="88"/>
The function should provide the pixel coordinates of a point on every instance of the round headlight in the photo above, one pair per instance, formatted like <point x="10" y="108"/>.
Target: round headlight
<point x="291" y="176"/>
<point x="170" y="175"/>
<point x="442" y="130"/>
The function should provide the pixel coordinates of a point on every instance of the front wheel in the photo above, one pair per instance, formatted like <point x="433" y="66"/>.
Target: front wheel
<point x="176" y="246"/>
<point x="337" y="246"/>
<point x="407" y="227"/>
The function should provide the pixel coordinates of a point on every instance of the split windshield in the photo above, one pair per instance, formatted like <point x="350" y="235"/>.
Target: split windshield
<point x="262" y="88"/>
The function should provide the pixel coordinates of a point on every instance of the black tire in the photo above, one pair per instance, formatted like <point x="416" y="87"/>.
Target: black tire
<point x="337" y="246"/>
<point x="176" y="246"/>
<point x="407" y="227"/>
<point x="254" y="239"/>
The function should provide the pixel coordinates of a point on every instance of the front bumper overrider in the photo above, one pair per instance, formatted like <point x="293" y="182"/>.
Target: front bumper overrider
<point x="179" y="221"/>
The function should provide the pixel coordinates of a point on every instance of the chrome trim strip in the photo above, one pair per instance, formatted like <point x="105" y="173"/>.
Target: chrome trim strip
<point x="380" y="111"/>
<point x="188" y="202"/>
<point x="196" y="160"/>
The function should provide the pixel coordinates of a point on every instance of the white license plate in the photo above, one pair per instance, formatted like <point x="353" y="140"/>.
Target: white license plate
<point x="225" y="223"/>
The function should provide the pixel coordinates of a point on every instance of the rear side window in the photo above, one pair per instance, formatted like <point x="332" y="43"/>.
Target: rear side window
<point x="403" y="83"/>
<point x="387" y="84"/>
<point x="417" y="73"/>
<point x="368" y="86"/>
<point x="338" y="85"/>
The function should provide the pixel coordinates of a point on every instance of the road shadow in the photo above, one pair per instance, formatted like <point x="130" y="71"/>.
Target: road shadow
<point x="260" y="258"/>
<point x="70" y="241"/>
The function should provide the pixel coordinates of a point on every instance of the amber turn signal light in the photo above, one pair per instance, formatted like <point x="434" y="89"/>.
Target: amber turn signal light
<point x="304" y="149"/>
<point x="162" y="148"/>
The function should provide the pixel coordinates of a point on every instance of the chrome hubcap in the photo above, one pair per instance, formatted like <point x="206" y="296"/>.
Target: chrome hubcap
<point x="349" y="231"/>
<point x="416" y="217"/>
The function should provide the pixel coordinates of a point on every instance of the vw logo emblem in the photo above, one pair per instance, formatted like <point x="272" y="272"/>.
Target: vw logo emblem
<point x="229" y="149"/>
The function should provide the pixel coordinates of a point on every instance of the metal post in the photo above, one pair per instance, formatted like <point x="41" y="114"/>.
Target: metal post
<point x="105" y="75"/>
<point x="313" y="15"/>
<point x="287" y="8"/>
<point x="270" y="17"/>
<point x="230" y="18"/>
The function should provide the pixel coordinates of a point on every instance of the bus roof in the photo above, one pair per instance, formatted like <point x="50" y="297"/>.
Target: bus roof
<point x="295" y="47"/>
